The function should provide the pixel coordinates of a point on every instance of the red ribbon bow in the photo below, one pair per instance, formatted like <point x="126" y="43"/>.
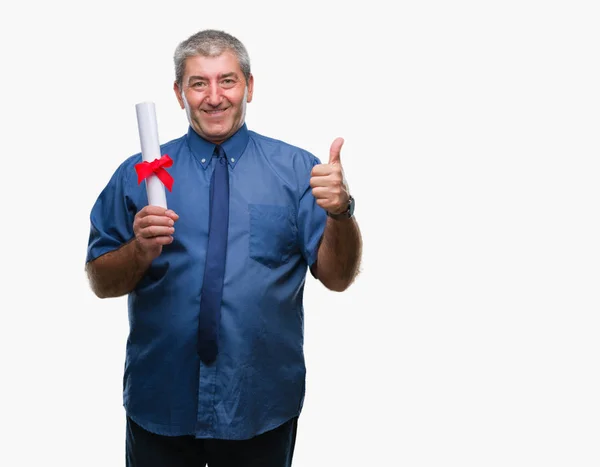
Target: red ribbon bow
<point x="145" y="169"/>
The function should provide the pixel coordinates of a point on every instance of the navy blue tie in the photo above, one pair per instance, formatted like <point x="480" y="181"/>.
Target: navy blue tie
<point x="214" y="271"/>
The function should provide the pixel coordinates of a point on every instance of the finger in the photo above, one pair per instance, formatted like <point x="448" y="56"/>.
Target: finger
<point x="148" y="221"/>
<point x="163" y="240"/>
<point x="154" y="245"/>
<point x="172" y="214"/>
<point x="324" y="203"/>
<point x="156" y="231"/>
<point x="334" y="193"/>
<point x="335" y="151"/>
<point x="150" y="210"/>
<point x="155" y="241"/>
<point x="321" y="193"/>
<point x="319" y="181"/>
<point x="321" y="170"/>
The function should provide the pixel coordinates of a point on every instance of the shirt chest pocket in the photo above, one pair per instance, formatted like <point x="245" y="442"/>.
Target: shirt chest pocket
<point x="273" y="234"/>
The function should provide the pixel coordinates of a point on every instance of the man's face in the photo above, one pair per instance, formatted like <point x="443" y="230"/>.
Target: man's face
<point x="214" y="95"/>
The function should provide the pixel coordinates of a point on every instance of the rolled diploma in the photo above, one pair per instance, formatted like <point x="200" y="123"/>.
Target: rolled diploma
<point x="146" y="117"/>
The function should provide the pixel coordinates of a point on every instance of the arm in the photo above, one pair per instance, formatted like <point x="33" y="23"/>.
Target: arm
<point x="117" y="273"/>
<point x="340" y="250"/>
<point x="340" y="253"/>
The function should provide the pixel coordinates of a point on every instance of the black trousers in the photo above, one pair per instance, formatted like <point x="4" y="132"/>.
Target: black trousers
<point x="274" y="448"/>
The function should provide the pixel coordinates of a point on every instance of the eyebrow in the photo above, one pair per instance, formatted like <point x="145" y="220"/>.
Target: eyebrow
<point x="231" y="74"/>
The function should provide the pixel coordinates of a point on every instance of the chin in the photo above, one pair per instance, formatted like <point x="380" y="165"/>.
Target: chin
<point x="211" y="131"/>
<point x="219" y="133"/>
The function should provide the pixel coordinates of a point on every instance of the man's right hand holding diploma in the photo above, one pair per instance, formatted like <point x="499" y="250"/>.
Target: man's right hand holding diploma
<point x="153" y="227"/>
<point x="118" y="272"/>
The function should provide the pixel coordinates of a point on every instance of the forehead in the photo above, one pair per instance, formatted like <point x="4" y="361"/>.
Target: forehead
<point x="200" y="65"/>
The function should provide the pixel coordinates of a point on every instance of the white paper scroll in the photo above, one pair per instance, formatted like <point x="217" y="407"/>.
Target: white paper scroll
<point x="146" y="117"/>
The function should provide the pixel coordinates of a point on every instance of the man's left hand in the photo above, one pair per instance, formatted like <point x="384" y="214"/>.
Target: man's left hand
<point x="328" y="183"/>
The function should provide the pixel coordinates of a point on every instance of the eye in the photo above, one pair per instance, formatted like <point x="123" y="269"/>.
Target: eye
<point x="228" y="82"/>
<point x="198" y="84"/>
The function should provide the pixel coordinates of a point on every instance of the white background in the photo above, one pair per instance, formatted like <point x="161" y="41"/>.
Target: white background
<point x="472" y="148"/>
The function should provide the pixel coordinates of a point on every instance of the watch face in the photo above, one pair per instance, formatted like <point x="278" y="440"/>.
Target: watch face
<point x="351" y="207"/>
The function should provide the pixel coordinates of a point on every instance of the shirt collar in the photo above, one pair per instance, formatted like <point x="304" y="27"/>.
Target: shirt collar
<point x="234" y="146"/>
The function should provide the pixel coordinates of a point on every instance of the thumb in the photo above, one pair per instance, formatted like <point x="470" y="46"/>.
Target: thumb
<point x="335" y="150"/>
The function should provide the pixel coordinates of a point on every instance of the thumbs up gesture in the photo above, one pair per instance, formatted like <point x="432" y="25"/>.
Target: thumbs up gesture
<point x="328" y="183"/>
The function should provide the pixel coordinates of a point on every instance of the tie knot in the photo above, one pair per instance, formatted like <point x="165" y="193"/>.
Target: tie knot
<point x="219" y="152"/>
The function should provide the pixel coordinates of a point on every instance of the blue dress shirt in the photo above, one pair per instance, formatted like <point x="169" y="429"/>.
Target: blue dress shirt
<point x="275" y="226"/>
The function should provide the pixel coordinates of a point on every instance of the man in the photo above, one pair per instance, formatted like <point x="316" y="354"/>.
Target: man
<point x="214" y="367"/>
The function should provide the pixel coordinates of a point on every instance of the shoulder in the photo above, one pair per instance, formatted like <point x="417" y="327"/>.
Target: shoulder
<point x="288" y="153"/>
<point x="173" y="145"/>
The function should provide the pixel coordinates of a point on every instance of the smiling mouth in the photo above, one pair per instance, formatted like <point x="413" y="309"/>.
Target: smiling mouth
<point x="215" y="111"/>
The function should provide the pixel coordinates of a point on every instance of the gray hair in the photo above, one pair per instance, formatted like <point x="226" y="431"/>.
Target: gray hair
<point x="209" y="43"/>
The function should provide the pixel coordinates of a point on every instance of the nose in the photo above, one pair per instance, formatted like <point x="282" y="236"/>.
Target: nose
<point x="213" y="97"/>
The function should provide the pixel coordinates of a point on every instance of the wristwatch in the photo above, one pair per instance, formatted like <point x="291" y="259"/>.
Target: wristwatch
<point x="347" y="214"/>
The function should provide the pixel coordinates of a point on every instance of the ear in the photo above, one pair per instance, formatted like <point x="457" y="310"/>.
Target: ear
<point x="250" y="88"/>
<point x="178" y="94"/>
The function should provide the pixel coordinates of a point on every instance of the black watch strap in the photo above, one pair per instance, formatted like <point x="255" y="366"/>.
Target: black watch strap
<point x="347" y="214"/>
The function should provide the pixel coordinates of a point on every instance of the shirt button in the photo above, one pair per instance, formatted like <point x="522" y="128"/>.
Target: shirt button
<point x="232" y="159"/>
<point x="203" y="161"/>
